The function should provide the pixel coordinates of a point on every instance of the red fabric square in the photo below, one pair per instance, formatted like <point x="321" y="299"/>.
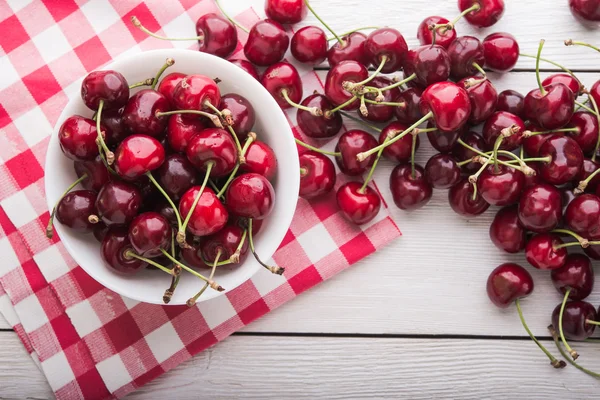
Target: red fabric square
<point x="6" y="224"/>
<point x="65" y="331"/>
<point x="60" y="8"/>
<point x="253" y="311"/>
<point x="305" y="280"/>
<point x="25" y="169"/>
<point x="189" y="332"/>
<point x="243" y="296"/>
<point x="86" y="284"/>
<point x="92" y="54"/>
<point x="142" y="12"/>
<point x="13" y="34"/>
<point x="325" y="206"/>
<point x="92" y="386"/>
<point x="79" y="358"/>
<point x="148" y="376"/>
<point x="123" y="332"/>
<point x="288" y="238"/>
<point x="50" y="303"/>
<point x="355" y="249"/>
<point x="34" y="275"/>
<point x="148" y="317"/>
<point x="4" y="118"/>
<point x="202" y="343"/>
<point x="41" y="84"/>
<point x="174" y="311"/>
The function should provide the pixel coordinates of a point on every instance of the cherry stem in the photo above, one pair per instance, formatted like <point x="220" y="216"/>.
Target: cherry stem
<point x="584" y="244"/>
<point x="386" y="103"/>
<point x="362" y="156"/>
<point x="274" y="269"/>
<point x="360" y="121"/>
<point x="235" y="257"/>
<point x="564" y="354"/>
<point x="555" y="363"/>
<point x="413" y="150"/>
<point x="497" y="144"/>
<point x="49" y="230"/>
<point x="303" y="171"/>
<point x="249" y="140"/>
<point x="571" y="42"/>
<point x="136" y="22"/>
<point x="486" y="155"/>
<point x="537" y="67"/>
<point x="129" y="254"/>
<point x="481" y="70"/>
<point x="572" y="352"/>
<point x="372" y="170"/>
<point x="229" y="128"/>
<point x="363" y="107"/>
<point x="110" y="156"/>
<point x="592" y="322"/>
<point x="568" y="71"/>
<point x="340" y="107"/>
<point x="175" y="280"/>
<point x="538" y="159"/>
<point x="324" y="24"/>
<point x="182" y="227"/>
<point x="103" y="158"/>
<point x="473" y="178"/>
<point x="162" y="191"/>
<point x="146" y="82"/>
<point x="214" y="285"/>
<point x="395" y="85"/>
<point x="527" y="134"/>
<point x="364" y="28"/>
<point x="166" y="65"/>
<point x="580" y="240"/>
<point x="584" y="183"/>
<point x="475" y="7"/>
<point x="595" y="104"/>
<point x="586" y="108"/>
<point x="214" y="119"/>
<point x="314" y="111"/>
<point x="308" y="146"/>
<point x="374" y="74"/>
<point x="192" y="301"/>
<point x="233" y="21"/>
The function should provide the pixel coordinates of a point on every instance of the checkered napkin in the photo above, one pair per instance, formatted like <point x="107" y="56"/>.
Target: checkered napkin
<point x="88" y="341"/>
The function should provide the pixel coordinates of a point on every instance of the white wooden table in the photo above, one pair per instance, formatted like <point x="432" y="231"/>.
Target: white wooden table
<point x="423" y="326"/>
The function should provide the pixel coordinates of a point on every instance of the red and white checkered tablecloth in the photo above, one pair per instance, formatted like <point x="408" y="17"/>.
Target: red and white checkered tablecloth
<point x="89" y="341"/>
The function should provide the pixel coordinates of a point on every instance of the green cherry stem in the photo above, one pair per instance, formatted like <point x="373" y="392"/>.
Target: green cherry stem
<point x="568" y="71"/>
<point x="273" y="269"/>
<point x="182" y="227"/>
<point x="147" y="82"/>
<point x="214" y="285"/>
<point x="581" y="240"/>
<point x="584" y="183"/>
<point x="413" y="150"/>
<point x="308" y="146"/>
<point x="314" y="111"/>
<point x="110" y="156"/>
<point x="166" y="196"/>
<point x="481" y="70"/>
<point x="328" y="113"/>
<point x="233" y="21"/>
<point x="386" y="103"/>
<point x="49" y="227"/>
<point x="572" y="352"/>
<point x="229" y="128"/>
<point x="364" y="28"/>
<point x="473" y="178"/>
<point x="251" y="138"/>
<point x="527" y="134"/>
<point x="136" y="22"/>
<point x="177" y="269"/>
<point x="571" y="42"/>
<point x="235" y="257"/>
<point x="323" y="22"/>
<point x="192" y="301"/>
<point x="129" y="254"/>
<point x="213" y="118"/>
<point x="595" y="105"/>
<point x="372" y="170"/>
<point x="592" y="322"/>
<point x="566" y="357"/>
<point x="537" y="67"/>
<point x="169" y="61"/>
<point x="373" y="75"/>
<point x="396" y="84"/>
<point x="475" y="7"/>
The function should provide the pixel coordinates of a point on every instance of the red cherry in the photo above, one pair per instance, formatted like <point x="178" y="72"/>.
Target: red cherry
<point x="443" y="141"/>
<point x="194" y="91"/>
<point x="77" y="137"/>
<point x="108" y="86"/>
<point x="534" y="179"/>
<point x="540" y="208"/>
<point x="345" y="71"/>
<point x="576" y="274"/>
<point x="409" y="191"/>
<point x="553" y="109"/>
<point x="483" y="96"/>
<point x="118" y="203"/>
<point x="167" y="86"/>
<point x="219" y="35"/>
<point x="246" y="66"/>
<point x="115" y="130"/>
<point x="506" y="231"/>
<point x="568" y="80"/>
<point x="501" y="51"/>
<point x="209" y="215"/>
<point x="317" y="174"/>
<point x="442" y="171"/>
<point x="149" y="233"/>
<point x="588" y="168"/>
<point x="241" y="112"/>
<point x="582" y="215"/>
<point x="566" y="160"/>
<point x="463" y="52"/>
<point x="358" y="206"/>
<point x="595" y="92"/>
<point x="443" y="37"/>
<point x="377" y="112"/>
<point x="165" y="209"/>
<point x="507" y="283"/>
<point x="511" y="101"/>
<point x="352" y="49"/>
<point x="319" y="127"/>
<point x="350" y="144"/>
<point x="449" y="104"/>
<point x="181" y="129"/>
<point x="260" y="159"/>
<point x="214" y="146"/>
<point x="386" y="42"/>
<point x="462" y="202"/>
<point x="575" y="315"/>
<point x="139" y="115"/>
<point x="541" y="251"/>
<point x="532" y="144"/>
<point x="100" y="231"/>
<point x="192" y="255"/>
<point x="501" y="186"/>
<point x="430" y="63"/>
<point x="281" y="77"/>
<point x="137" y="155"/>
<point x="115" y="246"/>
<point x="286" y="11"/>
<point x="309" y="45"/>
<point x="490" y="11"/>
<point x="497" y="123"/>
<point x="97" y="174"/>
<point x="251" y="196"/>
<point x="226" y="241"/>
<point x="587" y="134"/>
<point x="399" y="151"/>
<point x="267" y="43"/>
<point x="585" y="10"/>
<point x="461" y="153"/>
<point x="593" y="251"/>
<point x="176" y="175"/>
<point x="75" y="209"/>
<point x="410" y="113"/>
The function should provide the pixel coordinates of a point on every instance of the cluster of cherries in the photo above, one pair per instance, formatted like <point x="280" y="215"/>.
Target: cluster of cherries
<point x="173" y="176"/>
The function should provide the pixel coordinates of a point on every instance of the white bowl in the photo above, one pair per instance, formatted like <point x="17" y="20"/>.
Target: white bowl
<point x="271" y="127"/>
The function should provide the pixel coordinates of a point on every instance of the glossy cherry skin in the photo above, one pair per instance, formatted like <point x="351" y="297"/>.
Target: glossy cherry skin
<point x="410" y="113"/>
<point x="267" y="43"/>
<point x="181" y="129"/>
<point x="108" y="86"/>
<point x="167" y="85"/>
<point x="309" y="45"/>
<point x="246" y="66"/>
<point x="410" y="193"/>
<point x="568" y="80"/>
<point x="449" y="104"/>
<point x="496" y="123"/>
<point x="74" y="209"/>
<point x="226" y="241"/>
<point x="442" y="171"/>
<point x="430" y="63"/>
<point x="380" y="113"/>
<point x="139" y="115"/>
<point x="352" y="49"/>
<point x="209" y="215"/>
<point x="506" y="231"/>
<point x="585" y="10"/>
<point x="463" y="52"/>
<point x="399" y="151"/>
<point x="115" y="130"/>
<point x="489" y="13"/>
<point x="582" y="215"/>
<point x="220" y="35"/>
<point x="588" y="168"/>
<point x="587" y="136"/>
<point x="260" y="159"/>
<point x="194" y="91"/>
<point x="507" y="283"/>
<point x="533" y="144"/>
<point x="241" y="111"/>
<point x="137" y="155"/>
<point x="283" y="76"/>
<point x="114" y="247"/>
<point x="501" y="51"/>
<point x="511" y="101"/>
<point x="575" y="315"/>
<point x="192" y="254"/>
<point x="460" y="197"/>
<point x="443" y="141"/>
<point x="425" y="35"/>
<point x="461" y="153"/>
<point x="77" y="137"/>
<point x="386" y="42"/>
<point x="541" y="251"/>
<point x="97" y="174"/>
<point x="349" y="145"/>
<point x="595" y="92"/>
<point x="214" y="146"/>
<point x="540" y="208"/>
<point x="286" y="11"/>
<point x="317" y="174"/>
<point x="594" y="250"/>
<point x="534" y="179"/>
<point x="566" y="160"/>
<point x="325" y="126"/>
<point x="552" y="110"/>
<point x="118" y="203"/>
<point x="576" y="274"/>
<point x="250" y="196"/>
<point x="149" y="233"/>
<point x="501" y="186"/>
<point x="165" y="209"/>
<point x="483" y="96"/>
<point x="100" y="231"/>
<point x="176" y="175"/>
<point x="356" y="206"/>
<point x="345" y="71"/>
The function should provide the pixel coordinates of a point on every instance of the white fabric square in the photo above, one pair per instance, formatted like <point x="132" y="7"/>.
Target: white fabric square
<point x="216" y="311"/>
<point x="164" y="342"/>
<point x="8" y="311"/>
<point x="10" y="260"/>
<point x="51" y="43"/>
<point x="31" y="313"/>
<point x="265" y="282"/>
<point x="19" y="209"/>
<point x="130" y="303"/>
<point x="113" y="373"/>
<point x="33" y="126"/>
<point x="51" y="263"/>
<point x="58" y="371"/>
<point x="84" y="318"/>
<point x="9" y="73"/>
<point x="317" y="243"/>
<point x="179" y="27"/>
<point x="100" y="14"/>
<point x="17" y="5"/>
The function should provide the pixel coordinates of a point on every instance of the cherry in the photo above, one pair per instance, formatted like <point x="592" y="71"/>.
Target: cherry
<point x="543" y="251"/>
<point x="251" y="196"/>
<point x="585" y="10"/>
<point x="574" y="320"/>
<point x="410" y="113"/>
<point x="209" y="215"/>
<point x="260" y="159"/>
<point x="224" y="244"/>
<point x="508" y="283"/>
<point x="219" y="35"/>
<point x="115" y="130"/>
<point x="149" y="233"/>
<point x="246" y="66"/>
<point x="595" y="92"/>
<point x="443" y="141"/>
<point x="352" y="49"/>
<point x="115" y="247"/>
<point x="568" y="80"/>
<point x="165" y="209"/>
<point x="286" y="11"/>
<point x="167" y="85"/>
<point x="77" y="210"/>
<point x="77" y="138"/>
<point x="345" y="71"/>
<point x="176" y="175"/>
<point x="540" y="208"/>
<point x="357" y="204"/>
<point x="448" y="103"/>
<point x="506" y="231"/>
<point x="429" y="63"/>
<point x="100" y="231"/>
<point x="317" y="174"/>
<point x="380" y="112"/>
<point x="483" y="96"/>
<point x="137" y="155"/>
<point x="139" y="115"/>
<point x="501" y="123"/>
<point x="267" y="43"/>
<point x="587" y="131"/>
<point x="511" y="101"/>
<point x="533" y="179"/>
<point x="389" y="43"/>
<point x="501" y="185"/>
<point x="180" y="130"/>
<point x="583" y="215"/>
<point x="463" y="202"/>
<point x="443" y="37"/>
<point x="214" y="146"/>
<point x="192" y="255"/>
<point x="442" y="171"/>
<point x="566" y="160"/>
<point x="194" y="92"/>
<point x="309" y="45"/>
<point x="399" y="151"/>
<point x="589" y="167"/>
<point x="350" y="144"/>
<point x="283" y="82"/>
<point x="576" y="274"/>
<point x="551" y="108"/>
<point x="501" y="51"/>
<point x="568" y="195"/>
<point x="109" y="87"/>
<point x="118" y="203"/>
<point x="410" y="191"/>
<point x="465" y="52"/>
<point x="593" y="251"/>
<point x="532" y="144"/>
<point x="488" y="13"/>
<point x="241" y="112"/>
<point x="319" y="127"/>
<point x="96" y="173"/>
<point x="473" y="139"/>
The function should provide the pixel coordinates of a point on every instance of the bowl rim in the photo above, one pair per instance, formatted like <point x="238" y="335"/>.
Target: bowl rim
<point x="242" y="78"/>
